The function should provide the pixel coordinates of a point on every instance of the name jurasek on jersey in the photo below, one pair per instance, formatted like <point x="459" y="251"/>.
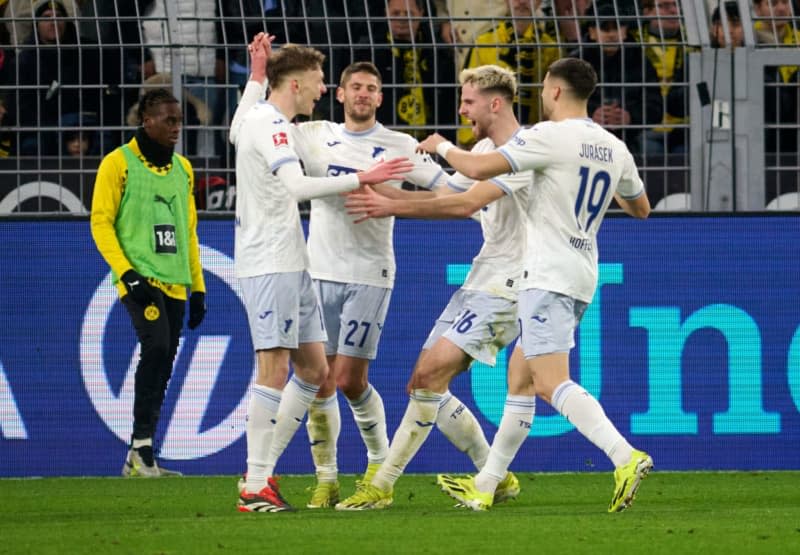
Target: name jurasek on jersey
<point x="596" y="153"/>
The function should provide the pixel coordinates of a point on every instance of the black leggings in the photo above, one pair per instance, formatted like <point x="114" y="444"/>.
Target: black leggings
<point x="159" y="342"/>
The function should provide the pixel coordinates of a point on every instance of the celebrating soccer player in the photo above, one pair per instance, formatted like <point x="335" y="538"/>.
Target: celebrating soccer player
<point x="578" y="168"/>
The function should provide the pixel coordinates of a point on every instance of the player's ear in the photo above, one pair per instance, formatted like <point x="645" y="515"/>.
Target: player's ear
<point x="380" y="100"/>
<point x="340" y="94"/>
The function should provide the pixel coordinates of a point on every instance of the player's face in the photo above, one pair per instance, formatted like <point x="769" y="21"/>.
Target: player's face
<point x="361" y="96"/>
<point x="163" y="123"/>
<point x="310" y="87"/>
<point x="477" y="108"/>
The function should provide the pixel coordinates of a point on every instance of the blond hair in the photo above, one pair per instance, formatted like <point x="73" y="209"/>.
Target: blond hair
<point x="292" y="58"/>
<point x="491" y="79"/>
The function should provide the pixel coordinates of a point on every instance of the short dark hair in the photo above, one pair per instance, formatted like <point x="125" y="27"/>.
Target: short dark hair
<point x="153" y="98"/>
<point x="578" y="74"/>
<point x="359" y="67"/>
<point x="731" y="10"/>
<point x="290" y="58"/>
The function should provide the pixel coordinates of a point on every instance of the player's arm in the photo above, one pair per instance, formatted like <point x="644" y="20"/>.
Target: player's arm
<point x="195" y="267"/>
<point x="630" y="193"/>
<point x="370" y="204"/>
<point x="392" y="192"/>
<point x="256" y="88"/>
<point x="638" y="207"/>
<point x="474" y="165"/>
<point x="302" y="187"/>
<point x="106" y="198"/>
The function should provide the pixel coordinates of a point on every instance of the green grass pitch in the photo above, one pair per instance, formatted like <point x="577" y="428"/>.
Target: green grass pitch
<point x="674" y="513"/>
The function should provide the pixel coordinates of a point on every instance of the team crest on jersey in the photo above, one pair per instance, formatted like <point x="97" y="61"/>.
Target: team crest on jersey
<point x="280" y="139"/>
<point x="377" y="151"/>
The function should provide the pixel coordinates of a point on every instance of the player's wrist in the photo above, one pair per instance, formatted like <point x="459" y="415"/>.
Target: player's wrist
<point x="443" y="148"/>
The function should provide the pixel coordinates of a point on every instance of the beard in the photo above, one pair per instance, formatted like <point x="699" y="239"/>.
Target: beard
<point x="361" y="115"/>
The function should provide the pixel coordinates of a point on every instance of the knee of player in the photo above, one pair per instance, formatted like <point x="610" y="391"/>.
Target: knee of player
<point x="431" y="377"/>
<point x="352" y="386"/>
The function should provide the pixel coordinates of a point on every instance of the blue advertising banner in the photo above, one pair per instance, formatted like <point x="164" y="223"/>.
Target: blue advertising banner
<point x="692" y="345"/>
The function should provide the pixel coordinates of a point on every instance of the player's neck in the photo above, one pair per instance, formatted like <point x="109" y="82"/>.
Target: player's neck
<point x="569" y="111"/>
<point x="284" y="103"/>
<point x="358" y="126"/>
<point x="503" y="129"/>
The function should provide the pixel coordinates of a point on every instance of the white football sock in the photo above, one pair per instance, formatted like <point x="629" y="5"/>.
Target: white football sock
<point x="585" y="413"/>
<point x="145" y="442"/>
<point x="323" y="425"/>
<point x="460" y="426"/>
<point x="297" y="397"/>
<point x="370" y="418"/>
<point x="514" y="427"/>
<point x="261" y="411"/>
<point x="419" y="418"/>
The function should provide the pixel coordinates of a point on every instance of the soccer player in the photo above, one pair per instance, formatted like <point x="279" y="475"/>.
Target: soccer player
<point x="481" y="317"/>
<point x="353" y="268"/>
<point x="578" y="168"/>
<point x="144" y="223"/>
<point x="271" y="261"/>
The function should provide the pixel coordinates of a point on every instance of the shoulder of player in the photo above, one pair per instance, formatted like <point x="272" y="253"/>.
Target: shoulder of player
<point x="187" y="165"/>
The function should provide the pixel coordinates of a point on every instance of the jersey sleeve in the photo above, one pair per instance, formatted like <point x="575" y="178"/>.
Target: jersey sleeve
<point x="530" y="149"/>
<point x="510" y="182"/>
<point x="274" y="144"/>
<point x="630" y="184"/>
<point x="108" y="188"/>
<point x="195" y="267"/>
<point x="426" y="173"/>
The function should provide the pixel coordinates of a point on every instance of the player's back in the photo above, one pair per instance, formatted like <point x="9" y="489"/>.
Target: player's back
<point x="578" y="166"/>
<point x="269" y="237"/>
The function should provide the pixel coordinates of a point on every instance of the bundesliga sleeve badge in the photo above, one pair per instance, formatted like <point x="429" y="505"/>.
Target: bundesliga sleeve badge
<point x="279" y="139"/>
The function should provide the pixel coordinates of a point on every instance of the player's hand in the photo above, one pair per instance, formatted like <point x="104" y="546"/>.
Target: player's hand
<point x="260" y="50"/>
<point x="139" y="290"/>
<point x="365" y="203"/>
<point x="430" y="143"/>
<point x="197" y="309"/>
<point x="385" y="171"/>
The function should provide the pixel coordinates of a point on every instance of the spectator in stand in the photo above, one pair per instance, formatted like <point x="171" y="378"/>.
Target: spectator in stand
<point x="619" y="102"/>
<point x="661" y="35"/>
<point x="522" y="46"/>
<point x="60" y="81"/>
<point x="717" y="31"/>
<point x="776" y="22"/>
<point x="566" y="28"/>
<point x="198" y="62"/>
<point x="774" y="26"/>
<point x="419" y="92"/>
<point x="125" y="48"/>
<point x="462" y="21"/>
